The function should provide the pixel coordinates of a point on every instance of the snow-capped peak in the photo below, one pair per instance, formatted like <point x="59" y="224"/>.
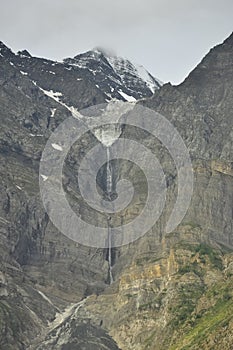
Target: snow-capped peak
<point x="125" y="68"/>
<point x="116" y="76"/>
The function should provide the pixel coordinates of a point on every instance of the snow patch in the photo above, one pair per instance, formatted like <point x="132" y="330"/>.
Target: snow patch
<point x="45" y="297"/>
<point x="55" y="96"/>
<point x="127" y="97"/>
<point x="36" y="135"/>
<point x="147" y="78"/>
<point x="53" y="111"/>
<point x="57" y="147"/>
<point x="93" y="71"/>
<point x="44" y="177"/>
<point x="123" y="67"/>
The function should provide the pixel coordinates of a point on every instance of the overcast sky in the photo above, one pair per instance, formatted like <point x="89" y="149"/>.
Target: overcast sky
<point x="169" y="37"/>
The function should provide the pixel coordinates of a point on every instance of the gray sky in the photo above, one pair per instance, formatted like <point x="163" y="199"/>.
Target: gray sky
<point x="169" y="37"/>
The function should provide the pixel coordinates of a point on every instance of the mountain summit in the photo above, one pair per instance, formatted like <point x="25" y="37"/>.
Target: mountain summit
<point x="116" y="75"/>
<point x="93" y="77"/>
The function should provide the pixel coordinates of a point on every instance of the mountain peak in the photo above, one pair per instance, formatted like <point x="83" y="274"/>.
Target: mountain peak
<point x="116" y="76"/>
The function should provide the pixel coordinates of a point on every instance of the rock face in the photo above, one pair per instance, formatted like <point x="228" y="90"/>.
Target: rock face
<point x="170" y="291"/>
<point x="87" y="79"/>
<point x="116" y="76"/>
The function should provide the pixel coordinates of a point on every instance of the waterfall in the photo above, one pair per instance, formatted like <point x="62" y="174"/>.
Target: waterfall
<point x="109" y="176"/>
<point x="107" y="135"/>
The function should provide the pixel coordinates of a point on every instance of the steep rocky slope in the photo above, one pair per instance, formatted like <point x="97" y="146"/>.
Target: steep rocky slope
<point x="170" y="291"/>
<point x="116" y="76"/>
<point x="35" y="257"/>
<point x="87" y="79"/>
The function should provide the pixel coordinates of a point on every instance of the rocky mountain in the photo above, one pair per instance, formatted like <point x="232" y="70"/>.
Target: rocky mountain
<point x="86" y="79"/>
<point x="116" y="76"/>
<point x="170" y="291"/>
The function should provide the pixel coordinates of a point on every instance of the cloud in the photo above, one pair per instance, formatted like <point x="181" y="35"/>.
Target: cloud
<point x="168" y="37"/>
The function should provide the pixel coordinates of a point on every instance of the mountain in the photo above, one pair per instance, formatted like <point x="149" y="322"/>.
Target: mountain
<point x="116" y="76"/>
<point x="170" y="291"/>
<point x="86" y="79"/>
<point x="38" y="264"/>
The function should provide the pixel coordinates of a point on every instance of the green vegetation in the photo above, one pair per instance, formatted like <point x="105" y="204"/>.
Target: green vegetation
<point x="146" y="259"/>
<point x="148" y="306"/>
<point x="129" y="296"/>
<point x="214" y="258"/>
<point x="188" y="297"/>
<point x="192" y="224"/>
<point x="205" y="254"/>
<point x="207" y="322"/>
<point x="149" y="341"/>
<point x="192" y="267"/>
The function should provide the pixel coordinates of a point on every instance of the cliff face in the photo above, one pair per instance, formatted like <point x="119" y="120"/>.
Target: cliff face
<point x="181" y="301"/>
<point x="200" y="107"/>
<point x="170" y="291"/>
<point x="36" y="260"/>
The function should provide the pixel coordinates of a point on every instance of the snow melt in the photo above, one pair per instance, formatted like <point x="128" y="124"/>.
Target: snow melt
<point x="108" y="134"/>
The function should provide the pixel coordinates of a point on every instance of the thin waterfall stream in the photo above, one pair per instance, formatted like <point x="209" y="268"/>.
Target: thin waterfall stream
<point x="109" y="177"/>
<point x="108" y="135"/>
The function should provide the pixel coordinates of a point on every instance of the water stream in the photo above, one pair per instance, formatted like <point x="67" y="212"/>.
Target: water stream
<point x="107" y="135"/>
<point x="109" y="179"/>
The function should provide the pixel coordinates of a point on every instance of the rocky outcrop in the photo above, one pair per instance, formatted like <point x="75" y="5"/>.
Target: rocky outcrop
<point x="170" y="291"/>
